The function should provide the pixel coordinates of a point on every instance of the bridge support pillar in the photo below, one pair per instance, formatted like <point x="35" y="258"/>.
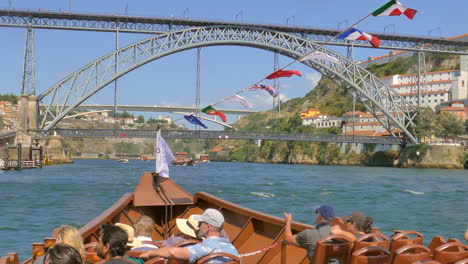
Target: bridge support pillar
<point x="26" y="119"/>
<point x="258" y="142"/>
<point x="54" y="151"/>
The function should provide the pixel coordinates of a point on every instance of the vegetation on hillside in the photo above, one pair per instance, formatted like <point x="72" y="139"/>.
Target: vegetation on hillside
<point x="9" y="97"/>
<point x="334" y="100"/>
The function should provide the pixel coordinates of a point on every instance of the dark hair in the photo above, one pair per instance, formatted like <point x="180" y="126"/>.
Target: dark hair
<point x="366" y="225"/>
<point x="62" y="254"/>
<point x="116" y="237"/>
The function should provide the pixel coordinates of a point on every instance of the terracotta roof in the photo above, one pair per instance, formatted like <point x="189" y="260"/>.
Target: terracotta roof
<point x="361" y="133"/>
<point x="216" y="149"/>
<point x="451" y="108"/>
<point x="367" y="115"/>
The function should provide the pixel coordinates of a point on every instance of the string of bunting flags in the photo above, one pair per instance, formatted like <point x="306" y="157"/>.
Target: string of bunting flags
<point x="391" y="8"/>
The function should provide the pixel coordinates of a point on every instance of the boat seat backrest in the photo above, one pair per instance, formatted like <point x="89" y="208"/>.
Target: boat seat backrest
<point x="463" y="261"/>
<point x="157" y="260"/>
<point x="370" y="255"/>
<point x="426" y="261"/>
<point x="371" y="240"/>
<point x="331" y="249"/>
<point x="403" y="238"/>
<point x="207" y="258"/>
<point x="450" y="253"/>
<point x="185" y="243"/>
<point x="436" y="242"/>
<point x="49" y="242"/>
<point x="38" y="249"/>
<point x="411" y="253"/>
<point x="12" y="258"/>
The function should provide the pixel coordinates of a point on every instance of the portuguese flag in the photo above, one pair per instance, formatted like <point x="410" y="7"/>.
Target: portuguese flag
<point x="210" y="110"/>
<point x="394" y="8"/>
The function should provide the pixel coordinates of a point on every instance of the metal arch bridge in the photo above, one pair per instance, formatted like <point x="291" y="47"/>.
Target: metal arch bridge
<point x="210" y="134"/>
<point x="376" y="96"/>
<point x="150" y="25"/>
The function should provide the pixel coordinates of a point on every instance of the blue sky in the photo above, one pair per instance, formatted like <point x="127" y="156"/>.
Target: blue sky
<point x="225" y="70"/>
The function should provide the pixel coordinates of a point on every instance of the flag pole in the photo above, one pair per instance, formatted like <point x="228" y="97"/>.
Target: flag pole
<point x="155" y="174"/>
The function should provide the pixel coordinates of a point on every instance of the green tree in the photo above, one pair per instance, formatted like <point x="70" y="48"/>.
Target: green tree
<point x="450" y="125"/>
<point x="9" y="97"/>
<point x="156" y="121"/>
<point x="141" y="119"/>
<point x="426" y="123"/>
<point x="2" y="124"/>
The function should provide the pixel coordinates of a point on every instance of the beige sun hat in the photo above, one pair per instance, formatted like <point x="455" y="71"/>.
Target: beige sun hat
<point x="132" y="240"/>
<point x="188" y="226"/>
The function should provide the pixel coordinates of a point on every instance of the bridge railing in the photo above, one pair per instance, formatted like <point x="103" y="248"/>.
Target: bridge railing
<point x="210" y="134"/>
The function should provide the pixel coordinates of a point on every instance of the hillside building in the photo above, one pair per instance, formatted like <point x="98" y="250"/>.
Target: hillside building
<point x="313" y="117"/>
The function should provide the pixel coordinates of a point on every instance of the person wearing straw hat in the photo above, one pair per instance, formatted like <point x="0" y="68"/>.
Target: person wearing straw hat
<point x="132" y="240"/>
<point x="188" y="229"/>
<point x="210" y="225"/>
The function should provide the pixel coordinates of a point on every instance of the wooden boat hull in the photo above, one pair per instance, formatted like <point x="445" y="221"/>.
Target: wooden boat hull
<point x="248" y="230"/>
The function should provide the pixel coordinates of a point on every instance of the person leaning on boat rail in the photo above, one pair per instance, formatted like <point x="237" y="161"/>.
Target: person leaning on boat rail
<point x="210" y="225"/>
<point x="67" y="235"/>
<point x="112" y="244"/>
<point x="62" y="254"/>
<point x="307" y="239"/>
<point x="357" y="224"/>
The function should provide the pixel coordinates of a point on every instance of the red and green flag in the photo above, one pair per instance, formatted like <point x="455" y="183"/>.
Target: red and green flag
<point x="394" y="8"/>
<point x="210" y="110"/>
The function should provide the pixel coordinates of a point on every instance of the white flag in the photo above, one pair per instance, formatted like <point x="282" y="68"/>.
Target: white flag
<point x="163" y="156"/>
<point x="239" y="99"/>
<point x="317" y="55"/>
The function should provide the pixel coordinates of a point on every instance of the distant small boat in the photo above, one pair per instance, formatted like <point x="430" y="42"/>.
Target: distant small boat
<point x="183" y="159"/>
<point x="122" y="160"/>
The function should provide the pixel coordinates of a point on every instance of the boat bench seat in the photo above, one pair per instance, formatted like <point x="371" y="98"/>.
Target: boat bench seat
<point x="331" y="249"/>
<point x="207" y="258"/>
<point x="12" y="258"/>
<point x="410" y="254"/>
<point x="450" y="253"/>
<point x="371" y="240"/>
<point x="370" y="255"/>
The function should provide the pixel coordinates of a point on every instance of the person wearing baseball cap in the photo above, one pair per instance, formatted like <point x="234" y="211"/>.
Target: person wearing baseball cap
<point x="307" y="239"/>
<point x="210" y="225"/>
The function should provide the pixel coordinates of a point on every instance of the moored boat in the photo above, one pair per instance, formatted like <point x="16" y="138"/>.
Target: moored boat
<point x="122" y="160"/>
<point x="183" y="159"/>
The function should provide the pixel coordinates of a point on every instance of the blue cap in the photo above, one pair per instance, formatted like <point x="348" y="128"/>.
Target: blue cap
<point x="325" y="211"/>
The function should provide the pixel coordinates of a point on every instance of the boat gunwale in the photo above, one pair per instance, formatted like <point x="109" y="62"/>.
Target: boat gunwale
<point x="108" y="214"/>
<point x="247" y="211"/>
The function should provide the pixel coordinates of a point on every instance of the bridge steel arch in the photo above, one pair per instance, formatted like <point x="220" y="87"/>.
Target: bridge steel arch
<point x="392" y="110"/>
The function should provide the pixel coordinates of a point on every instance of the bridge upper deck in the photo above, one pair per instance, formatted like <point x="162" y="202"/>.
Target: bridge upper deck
<point x="152" y="25"/>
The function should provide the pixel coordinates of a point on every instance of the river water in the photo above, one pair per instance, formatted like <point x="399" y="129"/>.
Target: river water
<point x="434" y="202"/>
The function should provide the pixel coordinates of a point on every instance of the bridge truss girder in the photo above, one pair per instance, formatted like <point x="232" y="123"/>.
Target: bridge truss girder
<point x="375" y="95"/>
<point x="151" y="25"/>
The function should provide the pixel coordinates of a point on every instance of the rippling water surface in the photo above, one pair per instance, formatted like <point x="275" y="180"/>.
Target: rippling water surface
<point x="434" y="202"/>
